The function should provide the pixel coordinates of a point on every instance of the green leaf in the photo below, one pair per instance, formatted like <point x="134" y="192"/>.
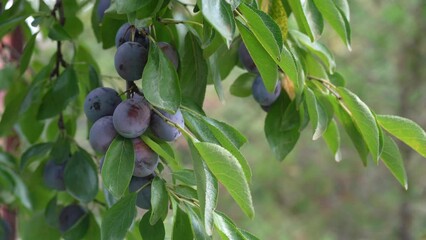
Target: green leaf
<point x="19" y="189"/>
<point x="332" y="139"/>
<point x="162" y="152"/>
<point x="290" y="66"/>
<point x="241" y="87"/>
<point x="267" y="32"/>
<point x="226" y="227"/>
<point x="264" y="63"/>
<point x="186" y="176"/>
<point x="81" y="178"/>
<point x="129" y="6"/>
<point x="159" y="200"/>
<point x="229" y="172"/>
<point x="109" y="28"/>
<point x="117" y="169"/>
<point x="207" y="189"/>
<point x="308" y="18"/>
<point x="219" y="14"/>
<point x="317" y="114"/>
<point x="364" y="120"/>
<point x="34" y="227"/>
<point x="214" y="75"/>
<point x="393" y="160"/>
<point x="160" y="81"/>
<point x="282" y="126"/>
<point x="405" y="130"/>
<point x="196" y="223"/>
<point x="151" y="232"/>
<point x="94" y="231"/>
<point x="58" y="33"/>
<point x="26" y="55"/>
<point x="11" y="113"/>
<point x="57" y="98"/>
<point x="193" y="71"/>
<point x="36" y="152"/>
<point x="52" y="211"/>
<point x="337" y="18"/>
<point x="181" y="226"/>
<point x="317" y="49"/>
<point x="118" y="219"/>
<point x="247" y="235"/>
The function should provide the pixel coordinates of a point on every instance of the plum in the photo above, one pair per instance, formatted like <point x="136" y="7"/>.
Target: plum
<point x="146" y="160"/>
<point x="162" y="129"/>
<point x="170" y="53"/>
<point x="69" y="216"/>
<point x="100" y="102"/>
<point x="124" y="34"/>
<point x="143" y="199"/>
<point x="130" y="60"/>
<point x="53" y="175"/>
<point x="101" y="134"/>
<point x="261" y="95"/>
<point x="102" y="6"/>
<point x="131" y="117"/>
<point x="246" y="59"/>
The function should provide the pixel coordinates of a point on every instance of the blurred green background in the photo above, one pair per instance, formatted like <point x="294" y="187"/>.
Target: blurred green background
<point x="309" y="195"/>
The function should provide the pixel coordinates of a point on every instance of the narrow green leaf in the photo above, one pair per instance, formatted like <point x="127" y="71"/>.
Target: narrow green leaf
<point x="36" y="152"/>
<point x="308" y="18"/>
<point x="317" y="49"/>
<point x="247" y="235"/>
<point x="332" y="139"/>
<point x="19" y="189"/>
<point x="229" y="172"/>
<point x="51" y="213"/>
<point x="117" y="169"/>
<point x="159" y="200"/>
<point x="181" y="226"/>
<point x="226" y="227"/>
<point x="393" y="160"/>
<point x="160" y="81"/>
<point x="337" y="18"/>
<point x="265" y="29"/>
<point x="214" y="75"/>
<point x="207" y="189"/>
<point x="129" y="6"/>
<point x="364" y="120"/>
<point x="282" y="126"/>
<point x="186" y="176"/>
<point x="219" y="14"/>
<point x="81" y="177"/>
<point x="57" y="98"/>
<point x="151" y="232"/>
<point x="264" y="63"/>
<point x="241" y="87"/>
<point x="26" y="55"/>
<point x="58" y="33"/>
<point x="196" y="222"/>
<point x="164" y="154"/>
<point x="11" y="113"/>
<point x="405" y="130"/>
<point x="94" y="231"/>
<point x="317" y="114"/>
<point x="193" y="70"/>
<point x="118" y="219"/>
<point x="292" y="68"/>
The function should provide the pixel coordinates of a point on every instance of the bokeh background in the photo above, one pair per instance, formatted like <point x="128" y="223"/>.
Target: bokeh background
<point x="309" y="195"/>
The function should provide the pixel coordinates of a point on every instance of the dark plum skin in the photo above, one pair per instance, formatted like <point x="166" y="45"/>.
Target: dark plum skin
<point x="143" y="199"/>
<point x="102" y="6"/>
<point x="170" y="53"/>
<point x="246" y="59"/>
<point x="53" y="175"/>
<point x="130" y="60"/>
<point x="163" y="130"/>
<point x="124" y="34"/>
<point x="261" y="95"/>
<point x="146" y="160"/>
<point x="131" y="117"/>
<point x="100" y="102"/>
<point x="101" y="134"/>
<point x="69" y="216"/>
<point x="5" y="230"/>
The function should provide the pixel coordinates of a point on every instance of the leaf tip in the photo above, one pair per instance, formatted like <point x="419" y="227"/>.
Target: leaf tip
<point x="338" y="156"/>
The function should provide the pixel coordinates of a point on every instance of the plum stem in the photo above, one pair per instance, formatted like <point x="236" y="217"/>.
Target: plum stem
<point x="330" y="86"/>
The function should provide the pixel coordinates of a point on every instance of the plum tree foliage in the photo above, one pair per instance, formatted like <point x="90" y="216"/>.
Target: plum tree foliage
<point x="166" y="53"/>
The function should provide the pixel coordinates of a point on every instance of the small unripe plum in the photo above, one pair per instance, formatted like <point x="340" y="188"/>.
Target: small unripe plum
<point x="124" y="34"/>
<point x="53" y="175"/>
<point x="261" y="95"/>
<point x="162" y="129"/>
<point x="131" y="118"/>
<point x="146" y="160"/>
<point x="143" y="199"/>
<point x="101" y="134"/>
<point x="69" y="216"/>
<point x="130" y="60"/>
<point x="102" y="6"/>
<point x="246" y="59"/>
<point x="100" y="102"/>
<point x="170" y="53"/>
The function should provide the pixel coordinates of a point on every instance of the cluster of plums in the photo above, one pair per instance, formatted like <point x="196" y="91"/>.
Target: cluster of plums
<point x="259" y="92"/>
<point x="131" y="118"/>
